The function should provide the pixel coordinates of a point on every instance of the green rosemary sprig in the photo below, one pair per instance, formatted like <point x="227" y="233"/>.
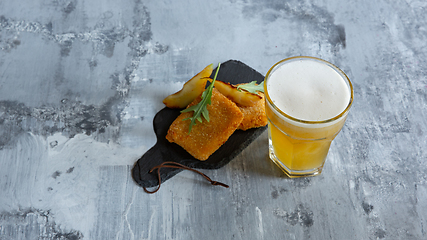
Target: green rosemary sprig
<point x="200" y="109"/>
<point x="252" y="87"/>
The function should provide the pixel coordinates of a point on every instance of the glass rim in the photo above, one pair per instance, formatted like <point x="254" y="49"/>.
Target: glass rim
<point x="337" y="69"/>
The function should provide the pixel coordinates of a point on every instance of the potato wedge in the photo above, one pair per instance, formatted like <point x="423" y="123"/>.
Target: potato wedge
<point x="190" y="91"/>
<point x="242" y="98"/>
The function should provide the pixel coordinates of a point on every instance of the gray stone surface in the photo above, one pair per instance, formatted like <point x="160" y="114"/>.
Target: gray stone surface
<point x="80" y="82"/>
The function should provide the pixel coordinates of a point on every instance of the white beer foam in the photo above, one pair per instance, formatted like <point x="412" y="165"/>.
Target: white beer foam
<point x="308" y="90"/>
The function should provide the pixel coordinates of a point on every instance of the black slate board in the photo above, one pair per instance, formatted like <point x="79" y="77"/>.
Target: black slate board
<point x="231" y="71"/>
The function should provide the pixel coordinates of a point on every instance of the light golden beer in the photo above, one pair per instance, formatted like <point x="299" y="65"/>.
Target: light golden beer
<point x="307" y="102"/>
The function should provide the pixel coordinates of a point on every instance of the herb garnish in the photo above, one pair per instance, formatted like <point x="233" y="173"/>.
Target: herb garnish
<point x="252" y="87"/>
<point x="200" y="108"/>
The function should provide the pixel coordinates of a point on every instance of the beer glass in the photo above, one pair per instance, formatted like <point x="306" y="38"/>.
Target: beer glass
<point x="307" y="102"/>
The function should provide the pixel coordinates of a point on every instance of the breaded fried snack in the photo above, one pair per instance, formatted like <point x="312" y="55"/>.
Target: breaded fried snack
<point x="206" y="137"/>
<point x="253" y="116"/>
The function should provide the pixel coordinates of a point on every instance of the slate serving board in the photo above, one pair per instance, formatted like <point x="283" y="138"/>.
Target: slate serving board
<point x="231" y="71"/>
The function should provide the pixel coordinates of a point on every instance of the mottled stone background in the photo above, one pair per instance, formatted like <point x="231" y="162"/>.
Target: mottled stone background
<point x="80" y="83"/>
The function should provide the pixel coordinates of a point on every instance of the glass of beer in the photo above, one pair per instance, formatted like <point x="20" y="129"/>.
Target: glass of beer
<point x="307" y="102"/>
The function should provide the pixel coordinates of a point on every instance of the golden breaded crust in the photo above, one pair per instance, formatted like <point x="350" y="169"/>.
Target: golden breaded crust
<point x="206" y="137"/>
<point x="254" y="116"/>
